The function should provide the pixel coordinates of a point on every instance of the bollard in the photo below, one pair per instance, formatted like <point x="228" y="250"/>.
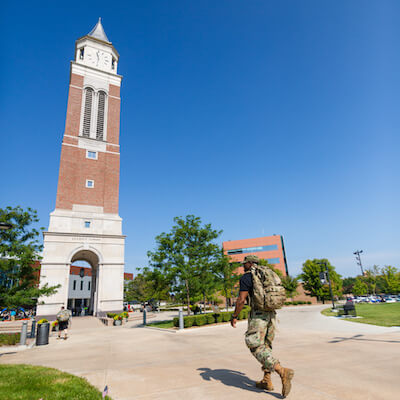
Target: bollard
<point x="144" y="316"/>
<point x="181" y="325"/>
<point x="33" y="329"/>
<point x="24" y="333"/>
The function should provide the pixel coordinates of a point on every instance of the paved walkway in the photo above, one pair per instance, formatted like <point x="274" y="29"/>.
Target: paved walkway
<point x="333" y="359"/>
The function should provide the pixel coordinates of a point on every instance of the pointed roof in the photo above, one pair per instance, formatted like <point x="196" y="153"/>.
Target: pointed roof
<point x="98" y="32"/>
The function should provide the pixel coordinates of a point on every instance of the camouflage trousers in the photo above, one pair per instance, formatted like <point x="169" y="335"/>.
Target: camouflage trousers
<point x="259" y="336"/>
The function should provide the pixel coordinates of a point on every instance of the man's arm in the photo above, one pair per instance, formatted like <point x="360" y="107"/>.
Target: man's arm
<point x="241" y="301"/>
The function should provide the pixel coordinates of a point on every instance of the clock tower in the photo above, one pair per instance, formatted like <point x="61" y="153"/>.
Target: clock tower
<point x="85" y="225"/>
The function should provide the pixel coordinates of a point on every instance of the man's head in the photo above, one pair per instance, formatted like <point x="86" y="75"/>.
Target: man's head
<point x="249" y="261"/>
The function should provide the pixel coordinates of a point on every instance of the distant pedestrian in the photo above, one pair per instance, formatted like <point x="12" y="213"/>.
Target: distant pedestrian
<point x="63" y="318"/>
<point x="267" y="294"/>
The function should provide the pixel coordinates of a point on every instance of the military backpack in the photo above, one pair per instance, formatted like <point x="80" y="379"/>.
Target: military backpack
<point x="268" y="292"/>
<point x="63" y="315"/>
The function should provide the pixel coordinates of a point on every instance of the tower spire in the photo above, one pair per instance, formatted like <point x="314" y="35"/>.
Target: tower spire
<point x="98" y="32"/>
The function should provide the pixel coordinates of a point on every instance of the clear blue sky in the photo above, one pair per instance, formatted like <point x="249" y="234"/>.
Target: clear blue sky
<point x="261" y="117"/>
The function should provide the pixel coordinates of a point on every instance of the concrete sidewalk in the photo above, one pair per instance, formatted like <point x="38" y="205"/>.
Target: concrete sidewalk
<point x="333" y="359"/>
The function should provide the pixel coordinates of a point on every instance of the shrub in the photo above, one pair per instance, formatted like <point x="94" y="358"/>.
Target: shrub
<point x="195" y="308"/>
<point x="243" y="314"/>
<point x="188" y="322"/>
<point x="210" y="318"/>
<point x="111" y="314"/>
<point x="176" y="321"/>
<point x="309" y="302"/>
<point x="218" y="317"/>
<point x="226" y="316"/>
<point x="42" y="321"/>
<point x="124" y="314"/>
<point x="118" y="317"/>
<point x="200" y="320"/>
<point x="9" y="339"/>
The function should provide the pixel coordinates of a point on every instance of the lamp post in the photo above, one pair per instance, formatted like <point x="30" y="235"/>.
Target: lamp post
<point x="358" y="258"/>
<point x="324" y="276"/>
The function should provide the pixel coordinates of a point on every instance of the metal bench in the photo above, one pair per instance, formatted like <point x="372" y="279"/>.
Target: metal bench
<point x="347" y="310"/>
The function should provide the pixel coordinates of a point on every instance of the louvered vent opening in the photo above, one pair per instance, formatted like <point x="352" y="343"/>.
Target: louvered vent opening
<point x="87" y="113"/>
<point x="100" y="116"/>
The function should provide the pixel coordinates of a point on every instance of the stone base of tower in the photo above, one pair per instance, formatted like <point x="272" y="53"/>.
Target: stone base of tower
<point x="103" y="251"/>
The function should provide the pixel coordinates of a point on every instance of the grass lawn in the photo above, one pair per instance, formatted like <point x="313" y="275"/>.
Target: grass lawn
<point x="162" y="324"/>
<point x="28" y="382"/>
<point x="375" y="314"/>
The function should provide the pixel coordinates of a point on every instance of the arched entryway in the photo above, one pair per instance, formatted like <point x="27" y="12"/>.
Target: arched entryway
<point x="84" y="282"/>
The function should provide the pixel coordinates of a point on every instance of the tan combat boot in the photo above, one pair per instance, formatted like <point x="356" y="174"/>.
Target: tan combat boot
<point x="265" y="382"/>
<point x="286" y="375"/>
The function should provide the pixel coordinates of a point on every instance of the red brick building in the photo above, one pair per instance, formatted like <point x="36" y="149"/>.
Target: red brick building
<point x="270" y="248"/>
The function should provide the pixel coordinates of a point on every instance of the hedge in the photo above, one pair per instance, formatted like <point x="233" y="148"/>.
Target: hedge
<point x="210" y="318"/>
<point x="295" y="303"/>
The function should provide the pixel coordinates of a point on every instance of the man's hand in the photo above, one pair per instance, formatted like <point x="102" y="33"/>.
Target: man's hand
<point x="233" y="322"/>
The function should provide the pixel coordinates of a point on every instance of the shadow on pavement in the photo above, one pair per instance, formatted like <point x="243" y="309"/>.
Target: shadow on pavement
<point x="360" y="337"/>
<point x="232" y="378"/>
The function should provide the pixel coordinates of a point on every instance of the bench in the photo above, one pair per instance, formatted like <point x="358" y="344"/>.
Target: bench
<point x="347" y="310"/>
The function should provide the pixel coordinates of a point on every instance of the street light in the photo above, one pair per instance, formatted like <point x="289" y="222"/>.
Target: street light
<point x="324" y="276"/>
<point x="358" y="258"/>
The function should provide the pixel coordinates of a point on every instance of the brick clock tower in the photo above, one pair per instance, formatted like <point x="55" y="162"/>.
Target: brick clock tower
<point x="85" y="224"/>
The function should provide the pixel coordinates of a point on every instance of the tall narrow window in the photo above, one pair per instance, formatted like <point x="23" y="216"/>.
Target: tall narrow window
<point x="87" y="112"/>
<point x="100" y="116"/>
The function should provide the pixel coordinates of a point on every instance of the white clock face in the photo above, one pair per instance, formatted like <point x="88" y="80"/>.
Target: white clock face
<point x="98" y="58"/>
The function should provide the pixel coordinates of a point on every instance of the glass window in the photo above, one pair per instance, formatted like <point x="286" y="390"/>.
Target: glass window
<point x="91" y="154"/>
<point x="82" y="285"/>
<point x="88" y="286"/>
<point x="89" y="183"/>
<point x="74" y="287"/>
<point x="255" y="249"/>
<point x="273" y="260"/>
<point x="87" y="224"/>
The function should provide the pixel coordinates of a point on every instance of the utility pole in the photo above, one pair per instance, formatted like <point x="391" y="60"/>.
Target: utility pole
<point x="358" y="258"/>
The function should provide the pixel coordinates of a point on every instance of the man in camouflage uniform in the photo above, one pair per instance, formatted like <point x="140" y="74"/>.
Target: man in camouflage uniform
<point x="260" y="333"/>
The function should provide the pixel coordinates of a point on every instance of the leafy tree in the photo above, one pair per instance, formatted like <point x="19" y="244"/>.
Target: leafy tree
<point x="19" y="251"/>
<point x="227" y="276"/>
<point x="290" y="284"/>
<point x="371" y="278"/>
<point x="348" y="284"/>
<point x="390" y="279"/>
<point x="184" y="255"/>
<point x="312" y="283"/>
<point x="360" y="288"/>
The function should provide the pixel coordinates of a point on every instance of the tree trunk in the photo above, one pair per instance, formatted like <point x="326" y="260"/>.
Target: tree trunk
<point x="187" y="297"/>
<point x="204" y="303"/>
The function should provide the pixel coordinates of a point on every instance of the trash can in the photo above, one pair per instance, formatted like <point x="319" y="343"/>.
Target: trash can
<point x="42" y="334"/>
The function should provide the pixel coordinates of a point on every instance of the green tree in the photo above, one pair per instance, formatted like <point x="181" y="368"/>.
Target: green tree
<point x="290" y="284"/>
<point x="184" y="255"/>
<point x="371" y="278"/>
<point x="390" y="280"/>
<point x="227" y="276"/>
<point x="360" y="288"/>
<point x="19" y="251"/>
<point x="312" y="283"/>
<point x="348" y="284"/>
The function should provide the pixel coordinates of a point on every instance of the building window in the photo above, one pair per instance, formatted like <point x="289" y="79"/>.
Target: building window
<point x="89" y="183"/>
<point x="82" y="285"/>
<point x="270" y="247"/>
<point x="113" y="63"/>
<point x="91" y="154"/>
<point x="273" y="260"/>
<point x="74" y="287"/>
<point x="88" y="286"/>
<point x="87" y="112"/>
<point x="87" y="224"/>
<point x="100" y="115"/>
<point x="81" y="53"/>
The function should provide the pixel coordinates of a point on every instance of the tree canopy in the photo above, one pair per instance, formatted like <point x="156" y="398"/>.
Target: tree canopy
<point x="19" y="251"/>
<point x="311" y="278"/>
<point x="186" y="256"/>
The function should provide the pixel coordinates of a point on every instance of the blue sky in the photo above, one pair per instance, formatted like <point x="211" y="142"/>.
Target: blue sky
<point x="261" y="117"/>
